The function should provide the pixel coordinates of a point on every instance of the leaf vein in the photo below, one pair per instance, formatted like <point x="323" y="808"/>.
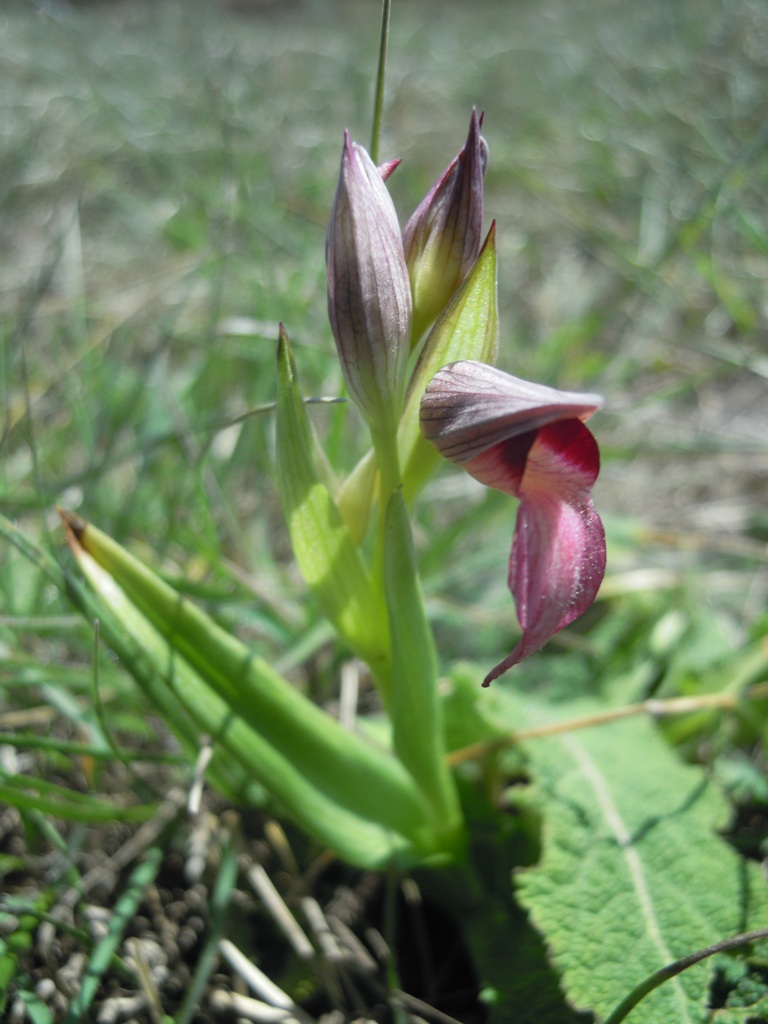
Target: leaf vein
<point x="618" y="827"/>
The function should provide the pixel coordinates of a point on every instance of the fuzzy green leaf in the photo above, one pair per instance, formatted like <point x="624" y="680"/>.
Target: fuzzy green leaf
<point x="633" y="874"/>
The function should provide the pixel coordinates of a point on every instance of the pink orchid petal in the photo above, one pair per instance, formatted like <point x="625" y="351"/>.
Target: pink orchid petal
<point x="558" y="551"/>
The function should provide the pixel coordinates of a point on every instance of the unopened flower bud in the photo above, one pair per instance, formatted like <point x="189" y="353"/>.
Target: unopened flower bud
<point x="369" y="294"/>
<point x="442" y="238"/>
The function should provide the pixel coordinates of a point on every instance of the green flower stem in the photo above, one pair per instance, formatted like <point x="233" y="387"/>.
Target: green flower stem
<point x="385" y="450"/>
<point x="411" y="697"/>
<point x="416" y="725"/>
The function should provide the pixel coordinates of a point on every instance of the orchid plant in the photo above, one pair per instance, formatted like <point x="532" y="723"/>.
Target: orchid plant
<point x="414" y="317"/>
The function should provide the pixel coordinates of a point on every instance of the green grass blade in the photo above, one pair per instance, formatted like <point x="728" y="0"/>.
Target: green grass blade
<point x="37" y="1011"/>
<point x="125" y="909"/>
<point x="28" y="794"/>
<point x="225" y="883"/>
<point x="31" y="741"/>
<point x="20" y="942"/>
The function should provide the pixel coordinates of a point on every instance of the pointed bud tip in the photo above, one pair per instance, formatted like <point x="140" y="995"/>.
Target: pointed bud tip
<point x="283" y="341"/>
<point x="388" y="167"/>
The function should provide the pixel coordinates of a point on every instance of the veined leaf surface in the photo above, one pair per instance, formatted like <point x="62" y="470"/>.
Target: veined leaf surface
<point x="633" y="874"/>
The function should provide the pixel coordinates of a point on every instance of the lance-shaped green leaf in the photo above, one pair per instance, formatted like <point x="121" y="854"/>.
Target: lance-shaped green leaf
<point x="328" y="778"/>
<point x="416" y="726"/>
<point x="329" y="561"/>
<point x="469" y="324"/>
<point x="242" y="747"/>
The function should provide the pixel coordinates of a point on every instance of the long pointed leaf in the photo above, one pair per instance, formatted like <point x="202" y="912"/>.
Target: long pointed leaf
<point x="331" y="780"/>
<point x="351" y="836"/>
<point x="329" y="560"/>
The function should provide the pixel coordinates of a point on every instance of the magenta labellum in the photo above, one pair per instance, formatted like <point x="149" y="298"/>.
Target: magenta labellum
<point x="529" y="441"/>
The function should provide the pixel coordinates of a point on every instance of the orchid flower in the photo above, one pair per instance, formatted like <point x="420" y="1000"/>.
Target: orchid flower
<point x="442" y="238"/>
<point x="369" y="293"/>
<point x="530" y="441"/>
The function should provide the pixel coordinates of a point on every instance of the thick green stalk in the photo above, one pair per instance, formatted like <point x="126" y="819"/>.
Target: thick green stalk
<point x="385" y="451"/>
<point x="416" y="724"/>
<point x="412" y="698"/>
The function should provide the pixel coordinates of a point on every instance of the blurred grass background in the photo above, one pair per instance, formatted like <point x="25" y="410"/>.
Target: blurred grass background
<point x="167" y="174"/>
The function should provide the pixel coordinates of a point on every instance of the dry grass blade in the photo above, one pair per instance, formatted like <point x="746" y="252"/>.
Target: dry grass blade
<point x="259" y="983"/>
<point x="254" y="1009"/>
<point x="280" y="912"/>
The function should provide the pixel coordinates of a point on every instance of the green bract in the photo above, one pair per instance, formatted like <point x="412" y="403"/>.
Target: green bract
<point x="329" y="561"/>
<point x="442" y="238"/>
<point x="468" y="324"/>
